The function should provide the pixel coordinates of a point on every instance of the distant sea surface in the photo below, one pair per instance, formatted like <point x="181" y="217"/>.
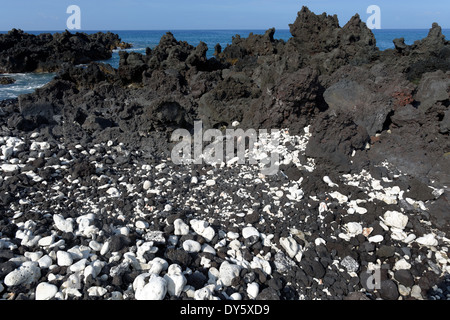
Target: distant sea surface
<point x="26" y="83"/>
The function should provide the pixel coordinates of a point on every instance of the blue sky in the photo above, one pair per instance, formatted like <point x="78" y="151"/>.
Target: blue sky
<point x="212" y="14"/>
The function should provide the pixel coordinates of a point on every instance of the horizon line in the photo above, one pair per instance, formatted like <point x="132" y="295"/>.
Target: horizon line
<point x="168" y="30"/>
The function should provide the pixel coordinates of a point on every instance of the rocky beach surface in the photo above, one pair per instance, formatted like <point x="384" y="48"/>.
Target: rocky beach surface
<point x="93" y="207"/>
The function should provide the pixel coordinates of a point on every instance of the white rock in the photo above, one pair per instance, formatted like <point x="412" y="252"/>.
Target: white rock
<point x="395" y="219"/>
<point x="253" y="290"/>
<point x="319" y="241"/>
<point x="232" y="235"/>
<point x="155" y="289"/>
<point x="45" y="291"/>
<point x="45" y="262"/>
<point x="9" y="167"/>
<point x="96" y="291"/>
<point x="210" y="183"/>
<point x="209" y="234"/>
<point x="376" y="239"/>
<point x="203" y="294"/>
<point x="63" y="258"/>
<point x="35" y="146"/>
<point x="105" y="248"/>
<point x="46" y="241"/>
<point x="248" y="232"/>
<point x="410" y="238"/>
<point x="33" y="256"/>
<point x="95" y="246"/>
<point x="64" y="225"/>
<point x="236" y="296"/>
<point x="198" y="225"/>
<point x="202" y="228"/>
<point x="28" y="273"/>
<point x="416" y="292"/>
<point x="194" y="180"/>
<point x="208" y="249"/>
<point x="339" y="197"/>
<point x="192" y="246"/>
<point x="175" y="280"/>
<point x="147" y="185"/>
<point x="427" y="240"/>
<point x="290" y="245"/>
<point x="181" y="228"/>
<point x="113" y="192"/>
<point x="227" y="272"/>
<point x="78" y="266"/>
<point x="157" y="265"/>
<point x="402" y="264"/>
<point x="404" y="291"/>
<point x="141" y="224"/>
<point x="354" y="228"/>
<point x="330" y="183"/>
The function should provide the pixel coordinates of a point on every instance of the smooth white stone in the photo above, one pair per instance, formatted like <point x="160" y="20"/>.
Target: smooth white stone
<point x="253" y="290"/>
<point x="208" y="249"/>
<point x="175" y="280"/>
<point x="376" y="239"/>
<point x="157" y="265"/>
<point x="181" y="228"/>
<point x="232" y="235"/>
<point x="208" y="234"/>
<point x="290" y="246"/>
<point x="416" y="292"/>
<point x="147" y="185"/>
<point x="9" y="167"/>
<point x="227" y="272"/>
<point x="248" y="232"/>
<point x="63" y="258"/>
<point x="410" y="238"/>
<point x="210" y="183"/>
<point x="141" y="224"/>
<point x="45" y="291"/>
<point x="45" y="262"/>
<point x="105" y="248"/>
<point x="236" y="296"/>
<point x="78" y="266"/>
<point x="94" y="245"/>
<point x="402" y="264"/>
<point x="192" y="246"/>
<point x="46" y="241"/>
<point x="155" y="289"/>
<point x="427" y="240"/>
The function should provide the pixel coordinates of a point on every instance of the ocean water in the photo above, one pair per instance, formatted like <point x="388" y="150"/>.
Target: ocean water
<point x="26" y="83"/>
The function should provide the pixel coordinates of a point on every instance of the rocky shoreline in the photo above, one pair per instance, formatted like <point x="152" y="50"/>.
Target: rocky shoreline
<point x="22" y="52"/>
<point x="92" y="207"/>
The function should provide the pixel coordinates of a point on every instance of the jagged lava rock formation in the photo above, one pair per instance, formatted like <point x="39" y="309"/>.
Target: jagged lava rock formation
<point x="22" y="52"/>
